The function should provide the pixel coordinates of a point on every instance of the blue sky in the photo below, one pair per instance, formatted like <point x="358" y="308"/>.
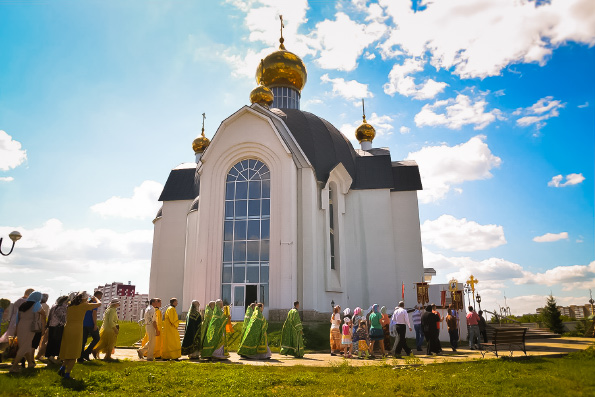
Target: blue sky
<point x="494" y="99"/>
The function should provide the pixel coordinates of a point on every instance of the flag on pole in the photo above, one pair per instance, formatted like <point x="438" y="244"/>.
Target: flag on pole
<point x="402" y="290"/>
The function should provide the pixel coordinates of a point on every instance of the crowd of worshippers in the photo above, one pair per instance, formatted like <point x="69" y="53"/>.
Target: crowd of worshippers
<point x="59" y="333"/>
<point x="206" y="333"/>
<point x="357" y="334"/>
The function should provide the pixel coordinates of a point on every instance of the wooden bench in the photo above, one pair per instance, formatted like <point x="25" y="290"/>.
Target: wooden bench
<point x="505" y="339"/>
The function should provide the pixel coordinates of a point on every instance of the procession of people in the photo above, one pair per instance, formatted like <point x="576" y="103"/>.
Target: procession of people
<point x="61" y="332"/>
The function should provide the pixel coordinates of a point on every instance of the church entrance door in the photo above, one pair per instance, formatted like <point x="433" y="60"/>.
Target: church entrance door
<point x="242" y="296"/>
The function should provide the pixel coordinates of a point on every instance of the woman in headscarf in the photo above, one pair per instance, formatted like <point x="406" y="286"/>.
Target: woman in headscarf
<point x="376" y="333"/>
<point x="29" y="321"/>
<point x="357" y="317"/>
<point x="56" y="322"/>
<point x="72" y="338"/>
<point x="108" y="334"/>
<point x="192" y="342"/>
<point x="385" y="323"/>
<point x="214" y="344"/>
<point x="335" y="335"/>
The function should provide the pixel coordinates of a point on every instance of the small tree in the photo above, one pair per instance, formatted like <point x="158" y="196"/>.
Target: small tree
<point x="552" y="316"/>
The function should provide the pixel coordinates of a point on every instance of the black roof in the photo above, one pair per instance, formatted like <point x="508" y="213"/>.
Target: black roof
<point x="405" y="176"/>
<point x="321" y="142"/>
<point x="182" y="184"/>
<point x="325" y="147"/>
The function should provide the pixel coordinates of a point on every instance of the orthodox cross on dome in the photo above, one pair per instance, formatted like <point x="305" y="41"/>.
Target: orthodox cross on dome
<point x="363" y="110"/>
<point x="281" y="40"/>
<point x="203" y="124"/>
<point x="472" y="281"/>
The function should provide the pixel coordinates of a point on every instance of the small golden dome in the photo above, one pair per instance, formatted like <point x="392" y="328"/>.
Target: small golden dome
<point x="282" y="68"/>
<point x="365" y="132"/>
<point x="200" y="144"/>
<point x="262" y="95"/>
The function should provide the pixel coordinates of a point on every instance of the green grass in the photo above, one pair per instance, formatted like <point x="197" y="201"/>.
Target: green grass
<point x="568" y="376"/>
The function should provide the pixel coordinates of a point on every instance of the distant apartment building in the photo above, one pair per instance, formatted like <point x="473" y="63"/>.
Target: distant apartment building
<point x="131" y="302"/>
<point x="573" y="311"/>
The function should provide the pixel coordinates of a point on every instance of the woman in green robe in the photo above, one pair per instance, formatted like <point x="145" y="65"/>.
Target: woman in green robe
<point x="192" y="337"/>
<point x="206" y="321"/>
<point x="254" y="343"/>
<point x="292" y="340"/>
<point x="247" y="317"/>
<point x="214" y="343"/>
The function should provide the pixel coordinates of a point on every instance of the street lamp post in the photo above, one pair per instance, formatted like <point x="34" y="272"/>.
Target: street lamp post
<point x="332" y="305"/>
<point x="478" y="299"/>
<point x="14" y="236"/>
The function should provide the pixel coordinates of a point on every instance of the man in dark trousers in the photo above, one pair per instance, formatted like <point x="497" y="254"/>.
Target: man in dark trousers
<point x="90" y="329"/>
<point x="428" y="323"/>
<point x="400" y="319"/>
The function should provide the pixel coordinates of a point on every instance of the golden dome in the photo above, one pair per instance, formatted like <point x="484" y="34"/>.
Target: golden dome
<point x="262" y="95"/>
<point x="282" y="68"/>
<point x="200" y="144"/>
<point x="365" y="132"/>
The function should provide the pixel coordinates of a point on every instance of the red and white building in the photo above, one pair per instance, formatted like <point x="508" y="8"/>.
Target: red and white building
<point x="132" y="303"/>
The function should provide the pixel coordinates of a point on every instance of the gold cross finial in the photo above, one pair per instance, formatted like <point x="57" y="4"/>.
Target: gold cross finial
<point x="363" y="110"/>
<point x="204" y="116"/>
<point x="472" y="281"/>
<point x="281" y="40"/>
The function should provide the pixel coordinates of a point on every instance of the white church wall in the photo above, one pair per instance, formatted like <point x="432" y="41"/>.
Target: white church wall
<point x="372" y="268"/>
<point x="247" y="134"/>
<point x="167" y="259"/>
<point x="407" y="242"/>
<point x="190" y="257"/>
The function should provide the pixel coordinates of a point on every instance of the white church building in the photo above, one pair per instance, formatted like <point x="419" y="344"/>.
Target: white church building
<point x="280" y="206"/>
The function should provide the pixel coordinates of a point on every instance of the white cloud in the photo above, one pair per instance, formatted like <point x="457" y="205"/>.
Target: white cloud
<point x="11" y="153"/>
<point x="461" y="235"/>
<point x="404" y="130"/>
<point x="245" y="65"/>
<point x="347" y="89"/>
<point x="142" y="205"/>
<point x="6" y="179"/>
<point x="401" y="82"/>
<point x="382" y="125"/>
<point x="551" y="237"/>
<point x="341" y="42"/>
<point x="442" y="167"/>
<point x="570" y="277"/>
<point x="457" y="112"/>
<point x="540" y="111"/>
<point x="571" y="179"/>
<point x="54" y="258"/>
<point x="584" y="105"/>
<point x="479" y="38"/>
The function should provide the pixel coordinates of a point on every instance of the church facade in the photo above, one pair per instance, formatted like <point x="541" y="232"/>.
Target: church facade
<point x="280" y="206"/>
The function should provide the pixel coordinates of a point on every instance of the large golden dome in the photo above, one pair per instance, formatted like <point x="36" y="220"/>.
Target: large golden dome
<point x="201" y="143"/>
<point x="365" y="132"/>
<point x="262" y="95"/>
<point x="282" y="68"/>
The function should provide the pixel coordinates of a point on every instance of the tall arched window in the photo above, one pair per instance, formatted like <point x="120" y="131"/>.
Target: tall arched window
<point x="246" y="234"/>
<point x="331" y="216"/>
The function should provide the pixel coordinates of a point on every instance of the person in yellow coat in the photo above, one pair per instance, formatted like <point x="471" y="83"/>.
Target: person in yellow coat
<point x="171" y="349"/>
<point x="158" y="338"/>
<point x="109" y="331"/>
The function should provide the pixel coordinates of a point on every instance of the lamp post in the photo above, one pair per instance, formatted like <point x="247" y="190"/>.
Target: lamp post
<point x="478" y="299"/>
<point x="591" y="301"/>
<point x="467" y="289"/>
<point x="14" y="236"/>
<point x="332" y="305"/>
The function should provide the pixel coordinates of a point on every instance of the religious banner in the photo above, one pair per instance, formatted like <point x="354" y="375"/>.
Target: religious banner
<point x="422" y="293"/>
<point x="443" y="298"/>
<point x="457" y="300"/>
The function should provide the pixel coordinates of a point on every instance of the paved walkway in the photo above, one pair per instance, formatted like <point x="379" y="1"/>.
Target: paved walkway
<point x="535" y="347"/>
